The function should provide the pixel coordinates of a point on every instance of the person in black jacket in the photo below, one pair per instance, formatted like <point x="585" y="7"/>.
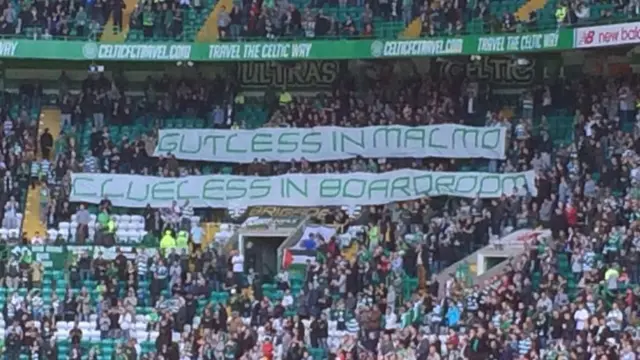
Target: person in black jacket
<point x="46" y="144"/>
<point x="49" y="350"/>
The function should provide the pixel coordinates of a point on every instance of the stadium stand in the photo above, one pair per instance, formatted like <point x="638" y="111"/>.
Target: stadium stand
<point x="100" y="279"/>
<point x="419" y="238"/>
<point x="226" y="20"/>
<point x="21" y="114"/>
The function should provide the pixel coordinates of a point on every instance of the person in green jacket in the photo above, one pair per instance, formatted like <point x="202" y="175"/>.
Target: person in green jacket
<point x="182" y="241"/>
<point x="81" y="21"/>
<point x="167" y="242"/>
<point x="103" y="219"/>
<point x="148" y="19"/>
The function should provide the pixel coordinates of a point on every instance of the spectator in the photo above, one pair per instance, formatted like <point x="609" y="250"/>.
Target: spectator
<point x="224" y="23"/>
<point x="10" y="220"/>
<point x="366" y="291"/>
<point x="186" y="213"/>
<point x="183" y="19"/>
<point x="237" y="262"/>
<point x="46" y="143"/>
<point x="196" y="236"/>
<point x="37" y="239"/>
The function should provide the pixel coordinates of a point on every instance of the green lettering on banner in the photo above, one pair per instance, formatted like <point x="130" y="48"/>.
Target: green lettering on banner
<point x="417" y="135"/>
<point x="268" y="51"/>
<point x="432" y="142"/>
<point x="292" y="186"/>
<point x="333" y="143"/>
<point x="444" y="183"/>
<point x="260" y="143"/>
<point x="260" y="185"/>
<point x="106" y="194"/>
<point x="518" y="43"/>
<point x="513" y="182"/>
<point x="236" y="185"/>
<point x="79" y="183"/>
<point x="330" y="188"/>
<point x="229" y="148"/>
<point x="8" y="48"/>
<point x="497" y="70"/>
<point x="209" y="188"/>
<point x="184" y="197"/>
<point x="168" y="142"/>
<point x="213" y="139"/>
<point x="163" y="190"/>
<point x="137" y="192"/>
<point x="321" y="56"/>
<point x="490" y="185"/>
<point x="387" y="131"/>
<point x="423" y="184"/>
<point x="172" y="52"/>
<point x="310" y="146"/>
<point x="378" y="189"/>
<point x="282" y="143"/>
<point x="464" y="132"/>
<point x="491" y="139"/>
<point x="346" y="140"/>
<point x="223" y="191"/>
<point x="359" y="185"/>
<point x="400" y="186"/>
<point x="462" y="187"/>
<point x="184" y="148"/>
<point x="410" y="48"/>
<point x="302" y="75"/>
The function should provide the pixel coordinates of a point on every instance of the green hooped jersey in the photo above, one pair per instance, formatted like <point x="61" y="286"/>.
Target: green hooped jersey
<point x="341" y="315"/>
<point x="230" y="351"/>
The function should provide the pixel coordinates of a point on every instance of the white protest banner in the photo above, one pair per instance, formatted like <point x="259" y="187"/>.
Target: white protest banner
<point x="333" y="143"/>
<point x="607" y="35"/>
<point x="303" y="190"/>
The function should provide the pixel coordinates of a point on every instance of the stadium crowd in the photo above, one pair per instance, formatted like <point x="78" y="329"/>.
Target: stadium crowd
<point x="571" y="296"/>
<point x="18" y="149"/>
<point x="181" y="20"/>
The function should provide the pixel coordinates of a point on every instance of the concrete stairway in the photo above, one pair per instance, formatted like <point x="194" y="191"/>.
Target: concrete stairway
<point x="532" y="5"/>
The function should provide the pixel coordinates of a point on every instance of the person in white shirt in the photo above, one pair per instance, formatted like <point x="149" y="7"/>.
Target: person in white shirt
<point x="126" y="323"/>
<point x="10" y="220"/>
<point x="391" y="298"/>
<point x="390" y="320"/>
<point x="171" y="215"/>
<point x="287" y="299"/>
<point x="237" y="262"/>
<point x="176" y="209"/>
<point x="15" y="300"/>
<point x="581" y="316"/>
<point x="449" y="285"/>
<point x="36" y="304"/>
<point x="614" y="318"/>
<point x="12" y="279"/>
<point x="37" y="239"/>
